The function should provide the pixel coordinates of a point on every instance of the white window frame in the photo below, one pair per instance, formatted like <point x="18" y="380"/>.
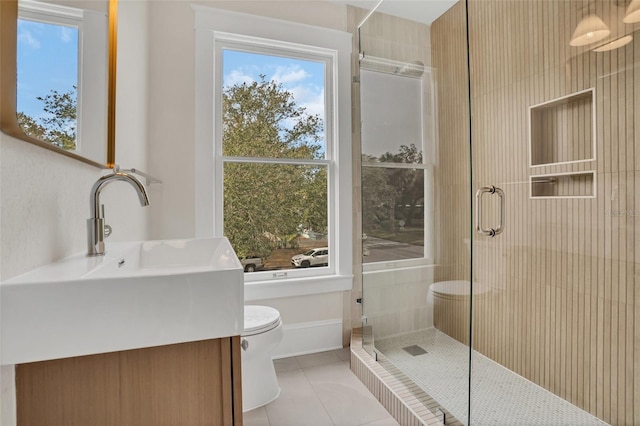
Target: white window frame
<point x="429" y="138"/>
<point x="224" y="41"/>
<point x="219" y="29"/>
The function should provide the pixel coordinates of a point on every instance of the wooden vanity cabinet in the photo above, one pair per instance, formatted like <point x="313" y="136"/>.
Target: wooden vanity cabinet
<point x="190" y="384"/>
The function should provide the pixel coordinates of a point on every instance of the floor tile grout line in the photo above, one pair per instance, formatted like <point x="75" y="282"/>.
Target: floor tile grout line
<point x="318" y="396"/>
<point x="340" y="362"/>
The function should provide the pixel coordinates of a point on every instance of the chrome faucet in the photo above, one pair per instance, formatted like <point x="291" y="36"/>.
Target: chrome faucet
<point x="95" y="224"/>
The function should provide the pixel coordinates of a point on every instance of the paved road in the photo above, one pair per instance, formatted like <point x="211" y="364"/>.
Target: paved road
<point x="385" y="250"/>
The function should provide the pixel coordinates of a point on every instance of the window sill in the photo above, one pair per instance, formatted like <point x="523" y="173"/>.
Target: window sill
<point x="273" y="289"/>
<point x="397" y="265"/>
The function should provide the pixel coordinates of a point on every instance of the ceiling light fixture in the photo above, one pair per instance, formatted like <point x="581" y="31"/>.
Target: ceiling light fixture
<point x="614" y="44"/>
<point x="590" y="30"/>
<point x="633" y="13"/>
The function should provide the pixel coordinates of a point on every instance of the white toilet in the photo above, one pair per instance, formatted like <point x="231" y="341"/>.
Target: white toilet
<point x="262" y="334"/>
<point x="449" y="301"/>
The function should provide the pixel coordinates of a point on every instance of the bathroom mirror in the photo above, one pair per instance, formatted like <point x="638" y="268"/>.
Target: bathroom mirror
<point x="57" y="76"/>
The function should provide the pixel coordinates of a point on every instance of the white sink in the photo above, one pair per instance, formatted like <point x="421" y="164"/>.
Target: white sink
<point x="139" y="294"/>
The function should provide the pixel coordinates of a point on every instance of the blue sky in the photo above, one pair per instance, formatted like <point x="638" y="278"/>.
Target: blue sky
<point x="47" y="59"/>
<point x="305" y="79"/>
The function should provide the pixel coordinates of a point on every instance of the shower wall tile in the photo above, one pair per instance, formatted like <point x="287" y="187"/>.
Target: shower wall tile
<point x="396" y="301"/>
<point x="394" y="38"/>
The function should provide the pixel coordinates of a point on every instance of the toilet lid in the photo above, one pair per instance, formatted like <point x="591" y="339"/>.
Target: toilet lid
<point x="259" y="319"/>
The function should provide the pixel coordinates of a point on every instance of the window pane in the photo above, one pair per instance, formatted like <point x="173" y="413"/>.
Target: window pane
<point x="274" y="212"/>
<point x="47" y="59"/>
<point x="393" y="213"/>
<point x="273" y="106"/>
<point x="391" y="118"/>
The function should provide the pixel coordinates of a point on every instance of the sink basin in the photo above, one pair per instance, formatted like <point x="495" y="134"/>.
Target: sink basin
<point x="139" y="294"/>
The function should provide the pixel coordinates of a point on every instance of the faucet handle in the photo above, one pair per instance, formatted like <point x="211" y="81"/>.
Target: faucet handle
<point x="106" y="228"/>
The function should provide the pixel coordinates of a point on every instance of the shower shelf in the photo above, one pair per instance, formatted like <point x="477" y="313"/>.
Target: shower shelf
<point x="563" y="185"/>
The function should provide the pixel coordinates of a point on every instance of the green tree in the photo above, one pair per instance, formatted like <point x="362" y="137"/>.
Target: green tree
<point x="408" y="184"/>
<point x="265" y="204"/>
<point x="314" y="199"/>
<point x="31" y="127"/>
<point x="58" y="125"/>
<point x="378" y="197"/>
<point x="389" y="194"/>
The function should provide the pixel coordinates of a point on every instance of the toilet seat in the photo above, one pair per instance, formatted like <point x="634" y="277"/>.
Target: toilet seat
<point x="456" y="289"/>
<point x="259" y="319"/>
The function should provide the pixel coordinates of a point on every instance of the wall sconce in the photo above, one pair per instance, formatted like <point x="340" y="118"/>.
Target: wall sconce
<point x="590" y="30"/>
<point x="633" y="13"/>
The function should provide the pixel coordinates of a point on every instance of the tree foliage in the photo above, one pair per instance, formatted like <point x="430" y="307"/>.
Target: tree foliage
<point x="390" y="194"/>
<point x="58" y="123"/>
<point x="262" y="119"/>
<point x="31" y="127"/>
<point x="378" y="196"/>
<point x="265" y="205"/>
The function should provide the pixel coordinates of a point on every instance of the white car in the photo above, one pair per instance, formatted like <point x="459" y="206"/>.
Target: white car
<point x="251" y="263"/>
<point x="314" y="257"/>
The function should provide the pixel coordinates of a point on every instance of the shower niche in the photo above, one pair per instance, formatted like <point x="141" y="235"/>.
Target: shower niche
<point x="562" y="130"/>
<point x="562" y="134"/>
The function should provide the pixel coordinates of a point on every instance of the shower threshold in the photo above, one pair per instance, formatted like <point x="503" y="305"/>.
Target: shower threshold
<point x="499" y="396"/>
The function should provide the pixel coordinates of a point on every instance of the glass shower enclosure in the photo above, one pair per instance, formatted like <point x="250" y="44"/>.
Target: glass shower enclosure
<point x="499" y="157"/>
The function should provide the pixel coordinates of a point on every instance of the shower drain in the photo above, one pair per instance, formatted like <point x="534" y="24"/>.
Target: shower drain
<point x="414" y="350"/>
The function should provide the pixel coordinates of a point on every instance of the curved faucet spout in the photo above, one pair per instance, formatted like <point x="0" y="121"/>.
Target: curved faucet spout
<point x="105" y="180"/>
<point x="95" y="224"/>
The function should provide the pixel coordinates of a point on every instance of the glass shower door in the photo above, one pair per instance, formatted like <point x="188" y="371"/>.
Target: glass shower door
<point x="555" y="103"/>
<point x="415" y="170"/>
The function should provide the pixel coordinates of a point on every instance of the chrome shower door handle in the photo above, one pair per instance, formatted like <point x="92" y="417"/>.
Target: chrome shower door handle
<point x="500" y="194"/>
<point x="490" y="232"/>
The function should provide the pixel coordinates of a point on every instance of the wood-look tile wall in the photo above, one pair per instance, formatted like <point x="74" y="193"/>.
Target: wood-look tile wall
<point x="352" y="309"/>
<point x="396" y="39"/>
<point x="565" y="311"/>
<point x="451" y="170"/>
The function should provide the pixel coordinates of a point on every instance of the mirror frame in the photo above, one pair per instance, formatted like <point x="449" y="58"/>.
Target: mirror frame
<point x="8" y="85"/>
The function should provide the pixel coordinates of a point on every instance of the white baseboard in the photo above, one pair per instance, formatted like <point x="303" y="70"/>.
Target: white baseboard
<point x="310" y="337"/>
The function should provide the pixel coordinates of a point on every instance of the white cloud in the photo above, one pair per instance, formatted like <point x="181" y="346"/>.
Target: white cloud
<point x="237" y="77"/>
<point x="305" y="94"/>
<point x="27" y="38"/>
<point x="289" y="74"/>
<point x="65" y="34"/>
<point x="310" y="97"/>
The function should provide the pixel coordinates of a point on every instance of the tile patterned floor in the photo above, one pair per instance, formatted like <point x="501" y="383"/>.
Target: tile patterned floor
<point x="499" y="396"/>
<point x="320" y="389"/>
